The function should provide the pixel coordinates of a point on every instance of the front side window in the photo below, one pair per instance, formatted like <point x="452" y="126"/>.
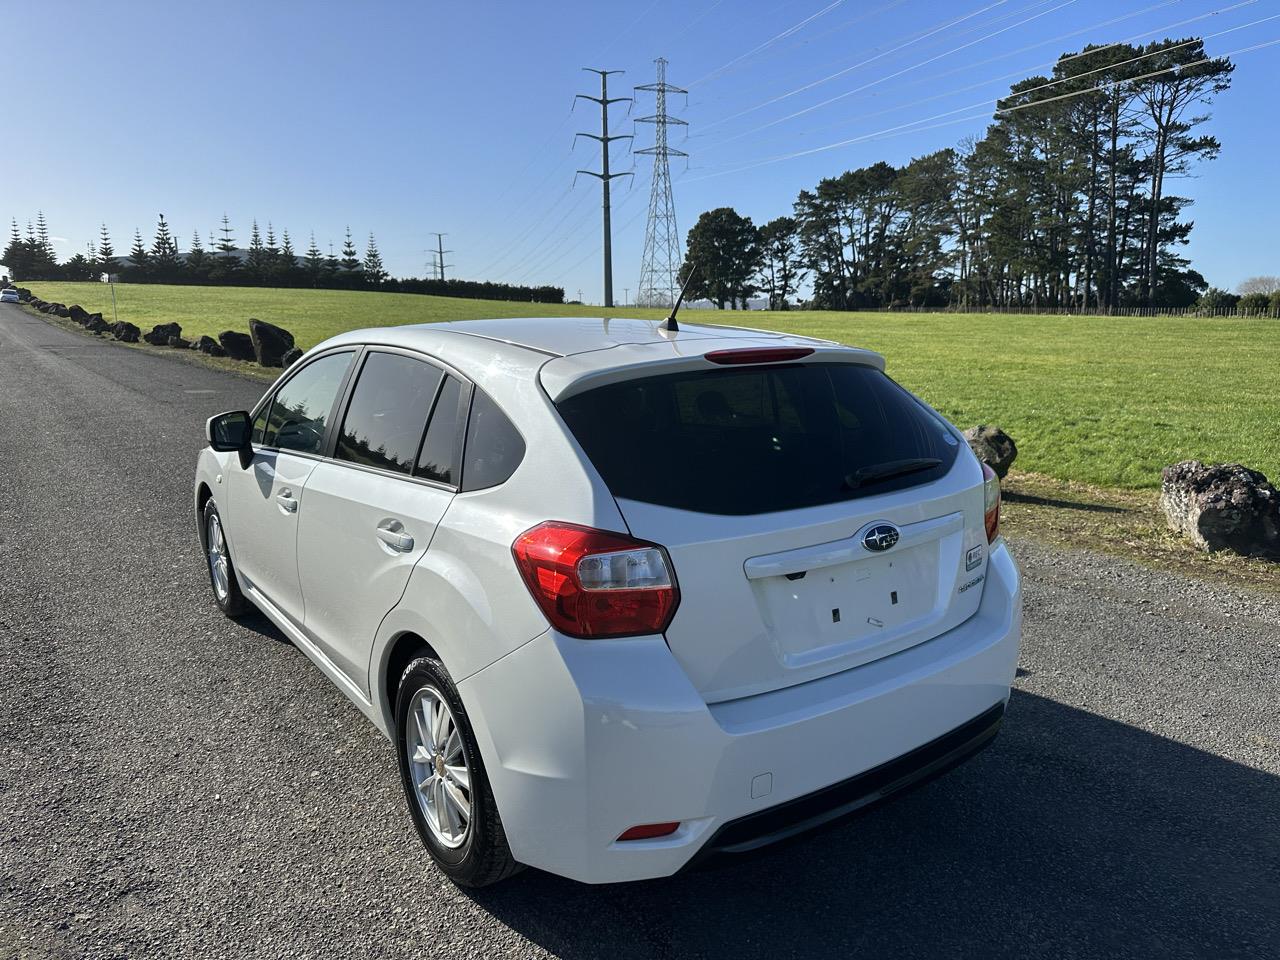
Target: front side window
<point x="387" y="412"/>
<point x="300" y="411"/>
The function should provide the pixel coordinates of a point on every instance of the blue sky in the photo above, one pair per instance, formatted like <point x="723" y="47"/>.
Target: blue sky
<point x="406" y="118"/>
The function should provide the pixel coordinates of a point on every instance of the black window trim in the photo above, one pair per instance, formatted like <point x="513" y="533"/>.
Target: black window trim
<point x="331" y="437"/>
<point x="270" y="398"/>
<point x="466" y="399"/>
<point x="466" y="426"/>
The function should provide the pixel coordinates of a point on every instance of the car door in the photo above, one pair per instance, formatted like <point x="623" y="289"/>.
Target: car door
<point x="265" y="498"/>
<point x="373" y="506"/>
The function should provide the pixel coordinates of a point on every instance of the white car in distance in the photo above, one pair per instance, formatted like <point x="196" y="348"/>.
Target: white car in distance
<point x="623" y="596"/>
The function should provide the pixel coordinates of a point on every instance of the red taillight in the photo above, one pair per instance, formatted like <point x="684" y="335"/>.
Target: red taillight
<point x="991" y="502"/>
<point x="649" y="831"/>
<point x="758" y="355"/>
<point x="592" y="583"/>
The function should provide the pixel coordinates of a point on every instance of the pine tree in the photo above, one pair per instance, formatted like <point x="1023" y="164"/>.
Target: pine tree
<point x="331" y="266"/>
<point x="44" y="245"/>
<point x="139" y="258"/>
<point x="350" y="257"/>
<point x="271" y="254"/>
<point x="227" y="263"/>
<point x="374" y="273"/>
<point x="287" y="265"/>
<point x="16" y="255"/>
<point x="106" y="252"/>
<point x="164" y="254"/>
<point x="256" y="261"/>
<point x="197" y="263"/>
<point x="314" y="262"/>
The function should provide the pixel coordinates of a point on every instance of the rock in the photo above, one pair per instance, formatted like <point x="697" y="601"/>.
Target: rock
<point x="1222" y="506"/>
<point x="78" y="313"/>
<point x="36" y="302"/>
<point x="24" y="294"/>
<point x="126" y="331"/>
<point x="61" y="310"/>
<point x="91" y="317"/>
<point x="237" y="345"/>
<point x="178" y="343"/>
<point x="210" y="346"/>
<point x="270" y="343"/>
<point x="161" y="332"/>
<point x="97" y="325"/>
<point x="290" y="357"/>
<point x="48" y="307"/>
<point x="993" y="447"/>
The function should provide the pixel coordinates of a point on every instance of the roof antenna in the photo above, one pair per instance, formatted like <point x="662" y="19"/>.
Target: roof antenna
<point x="670" y="323"/>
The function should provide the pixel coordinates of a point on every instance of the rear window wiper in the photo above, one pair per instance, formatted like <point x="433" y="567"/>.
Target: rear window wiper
<point x="889" y="469"/>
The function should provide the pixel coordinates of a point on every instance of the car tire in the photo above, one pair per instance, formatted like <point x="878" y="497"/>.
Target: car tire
<point x="223" y="582"/>
<point x="477" y="854"/>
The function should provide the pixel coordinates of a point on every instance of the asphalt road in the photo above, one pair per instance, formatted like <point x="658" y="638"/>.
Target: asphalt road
<point x="176" y="785"/>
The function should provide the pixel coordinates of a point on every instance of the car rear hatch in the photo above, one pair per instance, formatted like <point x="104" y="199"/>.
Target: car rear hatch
<point x="818" y="516"/>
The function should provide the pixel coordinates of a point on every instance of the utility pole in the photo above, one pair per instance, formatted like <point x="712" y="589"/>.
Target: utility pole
<point x="604" y="176"/>
<point x="663" y="252"/>
<point x="440" y="251"/>
<point x="626" y="295"/>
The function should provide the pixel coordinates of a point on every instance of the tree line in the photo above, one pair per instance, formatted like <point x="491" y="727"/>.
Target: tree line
<point x="1066" y="201"/>
<point x="267" y="260"/>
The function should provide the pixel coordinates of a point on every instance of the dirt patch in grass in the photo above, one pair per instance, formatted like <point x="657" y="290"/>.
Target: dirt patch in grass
<point x="1126" y="523"/>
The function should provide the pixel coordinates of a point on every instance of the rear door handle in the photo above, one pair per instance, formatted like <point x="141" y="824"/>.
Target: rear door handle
<point x="391" y="532"/>
<point x="286" y="501"/>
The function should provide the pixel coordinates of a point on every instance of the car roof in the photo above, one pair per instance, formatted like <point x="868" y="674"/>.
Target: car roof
<point x="568" y="354"/>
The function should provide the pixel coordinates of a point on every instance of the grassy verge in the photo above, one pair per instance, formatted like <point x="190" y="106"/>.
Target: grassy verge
<point x="1124" y="523"/>
<point x="1061" y="512"/>
<point x="1098" y="400"/>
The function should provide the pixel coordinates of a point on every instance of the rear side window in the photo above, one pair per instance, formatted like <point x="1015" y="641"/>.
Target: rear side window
<point x="300" y="411"/>
<point x="388" y="412"/>
<point x="439" y="458"/>
<point x="757" y="440"/>
<point x="494" y="445"/>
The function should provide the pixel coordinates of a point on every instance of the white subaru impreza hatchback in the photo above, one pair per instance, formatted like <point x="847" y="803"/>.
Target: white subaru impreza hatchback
<point x="622" y="596"/>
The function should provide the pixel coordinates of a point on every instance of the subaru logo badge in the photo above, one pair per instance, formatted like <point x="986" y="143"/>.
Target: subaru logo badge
<point x="881" y="537"/>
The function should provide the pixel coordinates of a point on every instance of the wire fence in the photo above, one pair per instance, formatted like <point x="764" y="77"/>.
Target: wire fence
<point x="1242" y="313"/>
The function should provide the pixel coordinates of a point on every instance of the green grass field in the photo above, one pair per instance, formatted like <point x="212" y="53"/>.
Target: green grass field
<point x="1108" y="401"/>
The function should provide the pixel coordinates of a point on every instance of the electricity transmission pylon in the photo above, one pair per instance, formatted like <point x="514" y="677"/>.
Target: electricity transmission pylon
<point x="604" y="139"/>
<point x="663" y="251"/>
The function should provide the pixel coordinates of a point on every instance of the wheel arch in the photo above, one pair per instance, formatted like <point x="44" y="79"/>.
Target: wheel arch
<point x="401" y="650"/>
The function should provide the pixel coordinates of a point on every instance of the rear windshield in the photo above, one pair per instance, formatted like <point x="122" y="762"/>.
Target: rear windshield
<point x="760" y="439"/>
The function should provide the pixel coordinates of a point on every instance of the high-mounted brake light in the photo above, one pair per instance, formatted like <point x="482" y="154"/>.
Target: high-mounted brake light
<point x="991" y="502"/>
<point x="592" y="583"/>
<point x="758" y="355"/>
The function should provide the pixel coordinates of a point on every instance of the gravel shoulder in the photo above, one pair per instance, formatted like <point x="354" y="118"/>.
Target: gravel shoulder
<point x="176" y="785"/>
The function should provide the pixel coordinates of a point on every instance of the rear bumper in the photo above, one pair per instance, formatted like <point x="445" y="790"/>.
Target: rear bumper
<point x="913" y="769"/>
<point x="584" y="739"/>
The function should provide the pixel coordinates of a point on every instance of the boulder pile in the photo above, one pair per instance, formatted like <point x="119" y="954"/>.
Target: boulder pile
<point x="1222" y="506"/>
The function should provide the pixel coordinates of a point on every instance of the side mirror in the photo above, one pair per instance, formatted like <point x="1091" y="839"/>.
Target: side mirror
<point x="230" y="433"/>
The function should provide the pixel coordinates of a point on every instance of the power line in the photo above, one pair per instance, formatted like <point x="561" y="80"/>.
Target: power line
<point x="902" y="128"/>
<point x="839" y="73"/>
<point x="604" y="176"/>
<point x="772" y="40"/>
<point x="904" y="70"/>
<point x="1016" y="73"/>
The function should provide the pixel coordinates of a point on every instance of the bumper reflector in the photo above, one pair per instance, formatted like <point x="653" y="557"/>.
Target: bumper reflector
<point x="648" y="831"/>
